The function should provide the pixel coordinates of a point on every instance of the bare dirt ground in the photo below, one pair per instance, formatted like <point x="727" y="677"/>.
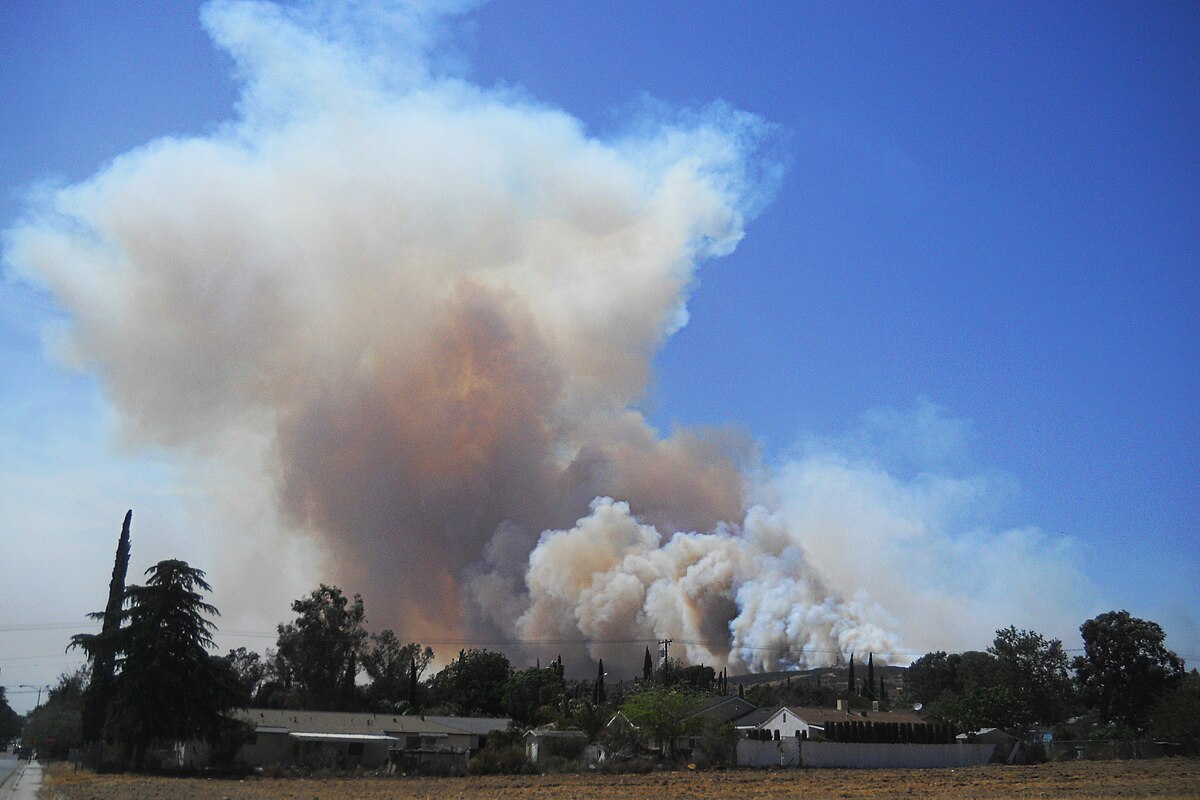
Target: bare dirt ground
<point x="1168" y="777"/>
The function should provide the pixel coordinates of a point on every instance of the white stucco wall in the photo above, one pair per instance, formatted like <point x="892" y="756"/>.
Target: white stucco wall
<point x="754" y="753"/>
<point x="792" y="752"/>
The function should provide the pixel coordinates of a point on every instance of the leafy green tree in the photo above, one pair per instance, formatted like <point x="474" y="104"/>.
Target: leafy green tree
<point x="718" y="743"/>
<point x="533" y="696"/>
<point x="1034" y="670"/>
<point x="318" y="654"/>
<point x="473" y="683"/>
<point x="981" y="705"/>
<point x="250" y="670"/>
<point x="929" y="677"/>
<point x="1177" y="714"/>
<point x="10" y="721"/>
<point x="390" y="666"/>
<point x="589" y="717"/>
<point x="970" y="690"/>
<point x="57" y="724"/>
<point x="168" y="687"/>
<point x="661" y="713"/>
<point x="1125" y="668"/>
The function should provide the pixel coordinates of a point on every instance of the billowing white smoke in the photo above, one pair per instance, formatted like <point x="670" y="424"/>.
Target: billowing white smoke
<point x="430" y="310"/>
<point x="743" y="597"/>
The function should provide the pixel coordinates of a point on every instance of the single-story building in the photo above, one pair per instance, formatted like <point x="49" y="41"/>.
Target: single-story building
<point x="479" y="729"/>
<point x="349" y="739"/>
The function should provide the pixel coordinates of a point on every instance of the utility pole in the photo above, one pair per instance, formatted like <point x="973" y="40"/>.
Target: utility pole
<point x="38" y="689"/>
<point x="666" y="664"/>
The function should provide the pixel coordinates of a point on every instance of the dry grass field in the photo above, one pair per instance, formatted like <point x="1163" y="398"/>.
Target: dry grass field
<point x="1169" y="778"/>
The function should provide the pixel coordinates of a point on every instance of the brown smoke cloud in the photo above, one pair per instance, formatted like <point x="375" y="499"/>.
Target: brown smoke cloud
<point x="433" y="309"/>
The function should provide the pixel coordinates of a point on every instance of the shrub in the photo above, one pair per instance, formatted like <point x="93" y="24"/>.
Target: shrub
<point x="509" y="760"/>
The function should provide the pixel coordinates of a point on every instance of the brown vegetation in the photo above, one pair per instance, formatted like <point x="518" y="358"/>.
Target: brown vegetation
<point x="1161" y="778"/>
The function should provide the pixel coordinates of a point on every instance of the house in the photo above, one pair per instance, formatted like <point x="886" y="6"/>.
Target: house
<point x="790" y="722"/>
<point x="350" y="739"/>
<point x="719" y="710"/>
<point x="723" y="708"/>
<point x="478" y="728"/>
<point x="855" y="738"/>
<point x="754" y="719"/>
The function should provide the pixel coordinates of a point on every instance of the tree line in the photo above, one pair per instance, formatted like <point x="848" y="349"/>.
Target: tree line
<point x="150" y="676"/>
<point x="1125" y="684"/>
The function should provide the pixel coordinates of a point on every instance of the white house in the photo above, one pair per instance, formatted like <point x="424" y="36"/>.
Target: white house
<point x="794" y="723"/>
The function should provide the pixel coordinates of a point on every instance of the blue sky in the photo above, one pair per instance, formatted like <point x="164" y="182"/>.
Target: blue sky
<point x="988" y="219"/>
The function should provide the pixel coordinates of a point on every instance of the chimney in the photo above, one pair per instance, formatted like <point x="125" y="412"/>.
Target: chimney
<point x="841" y="704"/>
<point x="874" y="705"/>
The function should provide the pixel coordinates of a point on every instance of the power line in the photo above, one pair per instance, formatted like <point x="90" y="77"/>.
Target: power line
<point x="508" y="642"/>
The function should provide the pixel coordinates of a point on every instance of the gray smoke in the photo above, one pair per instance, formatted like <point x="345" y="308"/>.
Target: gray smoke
<point x="428" y="311"/>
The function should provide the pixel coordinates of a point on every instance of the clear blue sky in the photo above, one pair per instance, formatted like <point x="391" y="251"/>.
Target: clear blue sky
<point x="992" y="208"/>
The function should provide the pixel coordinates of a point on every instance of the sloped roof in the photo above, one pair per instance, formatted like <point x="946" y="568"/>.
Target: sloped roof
<point x="344" y="722"/>
<point x="552" y="733"/>
<point x="756" y="717"/>
<point x="478" y="726"/>
<point x="814" y="715"/>
<point x="729" y="709"/>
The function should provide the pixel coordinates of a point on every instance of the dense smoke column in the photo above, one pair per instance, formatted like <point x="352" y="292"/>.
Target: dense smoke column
<point x="435" y="308"/>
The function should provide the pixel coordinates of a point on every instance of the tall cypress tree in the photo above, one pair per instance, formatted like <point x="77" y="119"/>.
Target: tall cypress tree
<point x="647" y="666"/>
<point x="850" y="677"/>
<point x="600" y="695"/>
<point x="100" y="648"/>
<point x="871" y="674"/>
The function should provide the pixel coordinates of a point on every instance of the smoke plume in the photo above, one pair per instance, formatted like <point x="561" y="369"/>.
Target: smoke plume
<point x="435" y="307"/>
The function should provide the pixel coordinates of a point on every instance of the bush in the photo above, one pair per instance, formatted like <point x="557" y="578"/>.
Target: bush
<point x="566" y="748"/>
<point x="509" y="760"/>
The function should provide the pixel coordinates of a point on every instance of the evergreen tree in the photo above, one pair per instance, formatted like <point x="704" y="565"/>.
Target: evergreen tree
<point x="647" y="666"/>
<point x="96" y="697"/>
<point x="168" y="687"/>
<point x="871" y="676"/>
<point x="599" y="695"/>
<point x="850" y="687"/>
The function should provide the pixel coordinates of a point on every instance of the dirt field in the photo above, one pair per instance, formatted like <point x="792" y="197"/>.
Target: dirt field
<point x="1172" y="777"/>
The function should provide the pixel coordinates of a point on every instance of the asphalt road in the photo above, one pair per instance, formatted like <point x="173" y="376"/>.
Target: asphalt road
<point x="8" y="762"/>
